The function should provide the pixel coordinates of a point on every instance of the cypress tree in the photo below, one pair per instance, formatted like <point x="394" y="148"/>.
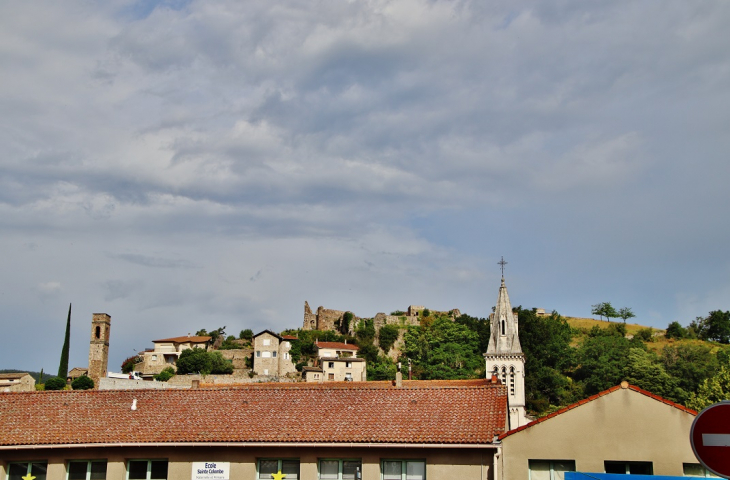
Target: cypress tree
<point x="63" y="366"/>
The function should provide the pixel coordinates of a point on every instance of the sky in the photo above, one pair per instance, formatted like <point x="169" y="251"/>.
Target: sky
<point x="183" y="165"/>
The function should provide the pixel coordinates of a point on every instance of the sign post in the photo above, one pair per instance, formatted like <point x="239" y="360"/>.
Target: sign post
<point x="710" y="438"/>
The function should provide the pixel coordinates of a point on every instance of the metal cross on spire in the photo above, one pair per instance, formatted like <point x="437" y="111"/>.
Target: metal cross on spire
<point x="502" y="263"/>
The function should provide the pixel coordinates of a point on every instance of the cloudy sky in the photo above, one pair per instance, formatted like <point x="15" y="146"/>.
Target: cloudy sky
<point x="184" y="165"/>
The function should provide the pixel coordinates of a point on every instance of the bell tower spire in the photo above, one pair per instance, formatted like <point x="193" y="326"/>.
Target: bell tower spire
<point x="504" y="357"/>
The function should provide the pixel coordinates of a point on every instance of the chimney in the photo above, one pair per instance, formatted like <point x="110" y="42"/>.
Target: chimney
<point x="195" y="385"/>
<point x="494" y="379"/>
<point x="398" y="377"/>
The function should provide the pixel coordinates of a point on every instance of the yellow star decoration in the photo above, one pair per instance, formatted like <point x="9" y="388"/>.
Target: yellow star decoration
<point x="28" y="477"/>
<point x="278" y="476"/>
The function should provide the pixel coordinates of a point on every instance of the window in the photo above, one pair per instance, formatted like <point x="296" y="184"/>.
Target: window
<point x="696" y="470"/>
<point x="331" y="376"/>
<point x="266" y="354"/>
<point x="87" y="470"/>
<point x="503" y="325"/>
<point x="339" y="469"/>
<point x="98" y="332"/>
<point x="266" y="371"/>
<point x="258" y="354"/>
<point x="16" y="471"/>
<point x="147" y="470"/>
<point x="633" y="468"/>
<point x="273" y="354"/>
<point x="154" y="358"/>
<point x="330" y="364"/>
<point x="286" y="356"/>
<point x="550" y="469"/>
<point x="348" y="364"/>
<point x="348" y="377"/>
<point x="512" y="380"/>
<point x="404" y="470"/>
<point x="267" y="342"/>
<point x="269" y="466"/>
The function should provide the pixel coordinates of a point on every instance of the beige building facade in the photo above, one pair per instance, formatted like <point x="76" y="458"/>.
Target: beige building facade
<point x="166" y="352"/>
<point x="16" y="382"/>
<point x="271" y="355"/>
<point x="622" y="430"/>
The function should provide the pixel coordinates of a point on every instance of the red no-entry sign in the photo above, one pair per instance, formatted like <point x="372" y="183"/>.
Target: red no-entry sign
<point x="710" y="438"/>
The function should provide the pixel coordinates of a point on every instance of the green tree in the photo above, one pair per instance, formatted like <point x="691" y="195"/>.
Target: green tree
<point x="712" y="390"/>
<point x="675" y="330"/>
<point x="63" y="364"/>
<point x="387" y="336"/>
<point x="444" y="350"/>
<point x="478" y="325"/>
<point x="128" y="364"/>
<point x="165" y="375"/>
<point x="644" y="370"/>
<point x="714" y="327"/>
<point x="370" y="353"/>
<point x="82" y="383"/>
<point x="55" y="383"/>
<point x="246" y="334"/>
<point x="426" y="312"/>
<point x="365" y="332"/>
<point x="346" y="320"/>
<point x="602" y="360"/>
<point x="625" y="313"/>
<point x="219" y="365"/>
<point x="194" y="360"/>
<point x="604" y="309"/>
<point x="690" y="364"/>
<point x="545" y="342"/>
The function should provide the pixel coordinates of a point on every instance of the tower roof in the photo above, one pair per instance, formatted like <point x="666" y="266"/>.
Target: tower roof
<point x="504" y="338"/>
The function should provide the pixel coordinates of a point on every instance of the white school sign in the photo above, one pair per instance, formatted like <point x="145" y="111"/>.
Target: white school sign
<point x="211" y="470"/>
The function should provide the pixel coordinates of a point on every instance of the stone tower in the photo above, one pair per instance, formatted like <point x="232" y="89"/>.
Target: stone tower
<point x="504" y="357"/>
<point x="99" y="348"/>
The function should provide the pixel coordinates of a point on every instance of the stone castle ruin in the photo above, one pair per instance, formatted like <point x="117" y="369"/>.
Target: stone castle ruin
<point x="332" y="320"/>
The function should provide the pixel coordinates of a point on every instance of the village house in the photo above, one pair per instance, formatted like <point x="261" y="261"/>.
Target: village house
<point x="623" y="430"/>
<point x="271" y="355"/>
<point x="16" y="382"/>
<point x="166" y="352"/>
<point x="336" y="362"/>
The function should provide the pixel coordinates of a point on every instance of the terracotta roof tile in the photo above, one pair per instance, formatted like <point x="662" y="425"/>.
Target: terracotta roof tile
<point x="594" y="397"/>
<point x="439" y="412"/>
<point x="184" y="339"/>
<point x="338" y="345"/>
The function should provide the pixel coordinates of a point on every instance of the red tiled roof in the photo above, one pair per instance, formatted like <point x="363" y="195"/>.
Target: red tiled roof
<point x="441" y="412"/>
<point x="184" y="339"/>
<point x="338" y="345"/>
<point x="594" y="397"/>
<point x="289" y="337"/>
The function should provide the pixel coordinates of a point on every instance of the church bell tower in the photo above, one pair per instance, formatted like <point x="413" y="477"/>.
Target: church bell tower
<point x="504" y="357"/>
<point x="99" y="348"/>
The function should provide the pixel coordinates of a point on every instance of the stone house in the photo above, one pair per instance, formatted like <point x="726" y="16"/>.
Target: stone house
<point x="271" y="355"/>
<point x="435" y="430"/>
<point x="622" y="430"/>
<point x="336" y="362"/>
<point x="166" y="352"/>
<point x="17" y="382"/>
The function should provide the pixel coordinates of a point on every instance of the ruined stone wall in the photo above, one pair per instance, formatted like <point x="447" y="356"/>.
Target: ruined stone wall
<point x="310" y="319"/>
<point x="238" y="357"/>
<point x="399" y="321"/>
<point x="324" y="319"/>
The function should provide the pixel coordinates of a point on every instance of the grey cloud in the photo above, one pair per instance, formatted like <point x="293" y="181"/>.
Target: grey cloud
<point x="154" y="262"/>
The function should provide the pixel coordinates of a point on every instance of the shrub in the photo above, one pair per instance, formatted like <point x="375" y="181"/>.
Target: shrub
<point x="55" y="383"/>
<point x="246" y="334"/>
<point x="165" y="375"/>
<point x="645" y="335"/>
<point x="387" y="336"/>
<point x="82" y="383"/>
<point x="427" y="312"/>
